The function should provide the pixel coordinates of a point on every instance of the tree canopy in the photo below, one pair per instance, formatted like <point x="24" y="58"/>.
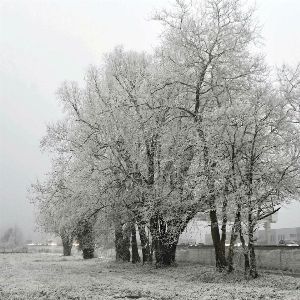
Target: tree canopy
<point x="201" y="125"/>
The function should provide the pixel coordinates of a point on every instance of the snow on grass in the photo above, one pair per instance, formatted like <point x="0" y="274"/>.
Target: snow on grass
<point x="51" y="276"/>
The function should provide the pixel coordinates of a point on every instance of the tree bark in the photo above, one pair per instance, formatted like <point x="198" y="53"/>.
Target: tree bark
<point x="234" y="235"/>
<point x="224" y="225"/>
<point x="246" y="252"/>
<point x="86" y="238"/>
<point x="118" y="241"/>
<point x="134" y="247"/>
<point x="231" y="251"/>
<point x="122" y="243"/>
<point x="165" y="254"/>
<point x="126" y="246"/>
<point x="219" y="254"/>
<point x="164" y="242"/>
<point x="252" y="258"/>
<point x="67" y="247"/>
<point x="172" y="253"/>
<point x="156" y="237"/>
<point x="88" y="253"/>
<point x="67" y="240"/>
<point x="146" y="251"/>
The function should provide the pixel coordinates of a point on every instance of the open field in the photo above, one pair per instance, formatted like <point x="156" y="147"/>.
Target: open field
<point x="51" y="276"/>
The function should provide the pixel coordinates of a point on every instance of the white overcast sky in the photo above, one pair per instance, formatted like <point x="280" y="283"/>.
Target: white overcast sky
<point x="43" y="42"/>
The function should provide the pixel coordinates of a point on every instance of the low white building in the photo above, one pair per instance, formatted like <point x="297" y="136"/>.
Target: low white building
<point x="273" y="236"/>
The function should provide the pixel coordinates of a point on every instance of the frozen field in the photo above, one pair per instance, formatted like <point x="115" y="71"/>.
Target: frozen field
<point x="51" y="276"/>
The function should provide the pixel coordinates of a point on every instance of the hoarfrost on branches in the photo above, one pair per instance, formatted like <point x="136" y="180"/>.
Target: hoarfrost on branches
<point x="149" y="141"/>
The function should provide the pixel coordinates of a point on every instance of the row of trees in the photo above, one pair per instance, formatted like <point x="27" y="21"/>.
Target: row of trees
<point x="201" y="125"/>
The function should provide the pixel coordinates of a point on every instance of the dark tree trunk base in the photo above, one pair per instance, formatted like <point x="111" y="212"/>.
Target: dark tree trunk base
<point x="86" y="237"/>
<point x="67" y="250"/>
<point x="134" y="247"/>
<point x="221" y="262"/>
<point x="147" y="256"/>
<point x="146" y="251"/>
<point x="122" y="244"/>
<point x="67" y="240"/>
<point x="252" y="257"/>
<point x="165" y="255"/>
<point x="88" y="253"/>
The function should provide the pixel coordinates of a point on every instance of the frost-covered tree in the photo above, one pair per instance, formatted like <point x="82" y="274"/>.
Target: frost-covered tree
<point x="199" y="126"/>
<point x="262" y="146"/>
<point x="205" y="55"/>
<point x="51" y="200"/>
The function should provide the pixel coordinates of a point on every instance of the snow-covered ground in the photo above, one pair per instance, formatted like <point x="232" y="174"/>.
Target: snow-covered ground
<point x="51" y="276"/>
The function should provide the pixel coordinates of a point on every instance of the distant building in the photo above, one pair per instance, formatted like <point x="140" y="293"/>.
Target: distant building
<point x="263" y="237"/>
<point x="273" y="236"/>
<point x="198" y="231"/>
<point x="267" y="236"/>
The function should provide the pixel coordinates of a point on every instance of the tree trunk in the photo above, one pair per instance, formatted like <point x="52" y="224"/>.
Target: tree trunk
<point x="88" y="253"/>
<point x="67" y="241"/>
<point x="165" y="251"/>
<point x="172" y="252"/>
<point x="234" y="234"/>
<point x="224" y="215"/>
<point x="134" y="247"/>
<point x="146" y="251"/>
<point x="158" y="252"/>
<point x="219" y="254"/>
<point x="223" y="228"/>
<point x="86" y="238"/>
<point x="246" y="252"/>
<point x="155" y="236"/>
<point x="252" y="258"/>
<point x="157" y="227"/>
<point x="67" y="246"/>
<point x="253" y="267"/>
<point x="122" y="243"/>
<point x="126" y="247"/>
<point x="165" y="254"/>
<point x="118" y="241"/>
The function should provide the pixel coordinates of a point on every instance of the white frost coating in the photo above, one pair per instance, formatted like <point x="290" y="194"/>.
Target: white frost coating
<point x="44" y="276"/>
